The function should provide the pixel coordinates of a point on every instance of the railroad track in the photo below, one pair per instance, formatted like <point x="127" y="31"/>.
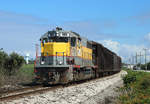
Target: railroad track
<point x="12" y="95"/>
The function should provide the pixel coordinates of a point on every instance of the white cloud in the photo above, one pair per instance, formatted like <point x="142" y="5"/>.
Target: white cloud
<point x="112" y="45"/>
<point x="123" y="50"/>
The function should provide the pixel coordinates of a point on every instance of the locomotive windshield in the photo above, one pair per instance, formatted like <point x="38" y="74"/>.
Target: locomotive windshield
<point x="56" y="39"/>
<point x="60" y="39"/>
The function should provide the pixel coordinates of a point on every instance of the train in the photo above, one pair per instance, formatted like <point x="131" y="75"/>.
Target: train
<point x="66" y="57"/>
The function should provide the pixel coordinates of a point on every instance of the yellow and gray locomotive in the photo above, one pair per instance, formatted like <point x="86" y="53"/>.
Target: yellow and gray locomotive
<point x="66" y="56"/>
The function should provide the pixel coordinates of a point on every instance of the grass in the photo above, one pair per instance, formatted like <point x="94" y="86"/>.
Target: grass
<point x="26" y="72"/>
<point x="136" y="88"/>
<point x="23" y="75"/>
<point x="27" y="69"/>
<point x="1" y="78"/>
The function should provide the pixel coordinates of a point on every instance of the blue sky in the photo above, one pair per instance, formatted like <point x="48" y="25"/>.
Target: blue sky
<point x="122" y="26"/>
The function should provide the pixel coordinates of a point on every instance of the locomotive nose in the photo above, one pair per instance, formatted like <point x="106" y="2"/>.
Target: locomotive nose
<point x="54" y="53"/>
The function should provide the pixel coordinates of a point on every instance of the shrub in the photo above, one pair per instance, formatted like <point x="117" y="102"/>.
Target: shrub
<point x="13" y="63"/>
<point x="130" y="78"/>
<point x="143" y="67"/>
<point x="1" y="78"/>
<point x="31" y="61"/>
<point x="3" y="57"/>
<point x="148" y="66"/>
<point x="145" y="83"/>
<point x="136" y="89"/>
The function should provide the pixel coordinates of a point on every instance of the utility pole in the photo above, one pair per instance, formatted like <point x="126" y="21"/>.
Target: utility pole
<point x="145" y="56"/>
<point x="130" y="63"/>
<point x="140" y="58"/>
<point x="132" y="59"/>
<point x="136" y="58"/>
<point x="138" y="55"/>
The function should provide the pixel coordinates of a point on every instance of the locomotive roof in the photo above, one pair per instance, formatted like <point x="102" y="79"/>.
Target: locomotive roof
<point x="60" y="30"/>
<point x="72" y="34"/>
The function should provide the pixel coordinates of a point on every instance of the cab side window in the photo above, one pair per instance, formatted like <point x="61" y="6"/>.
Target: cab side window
<point x="73" y="41"/>
<point x="79" y="43"/>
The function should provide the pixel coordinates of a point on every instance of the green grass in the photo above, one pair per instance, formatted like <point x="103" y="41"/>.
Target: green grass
<point x="136" y="88"/>
<point x="23" y="75"/>
<point x="27" y="69"/>
<point x="26" y="72"/>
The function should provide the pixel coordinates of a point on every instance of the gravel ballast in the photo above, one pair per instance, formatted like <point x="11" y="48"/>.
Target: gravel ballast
<point x="99" y="91"/>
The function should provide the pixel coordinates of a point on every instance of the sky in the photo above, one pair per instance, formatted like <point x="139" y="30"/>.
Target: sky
<point x="121" y="26"/>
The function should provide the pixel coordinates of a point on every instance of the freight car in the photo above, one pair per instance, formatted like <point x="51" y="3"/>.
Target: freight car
<point x="106" y="61"/>
<point x="66" y="57"/>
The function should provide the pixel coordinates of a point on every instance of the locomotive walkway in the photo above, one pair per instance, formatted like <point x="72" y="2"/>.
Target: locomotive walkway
<point x="94" y="91"/>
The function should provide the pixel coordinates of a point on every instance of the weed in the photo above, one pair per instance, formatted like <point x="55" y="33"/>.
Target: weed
<point x="24" y="75"/>
<point x="136" y="89"/>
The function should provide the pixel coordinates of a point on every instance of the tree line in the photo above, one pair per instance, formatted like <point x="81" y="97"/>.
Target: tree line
<point x="10" y="64"/>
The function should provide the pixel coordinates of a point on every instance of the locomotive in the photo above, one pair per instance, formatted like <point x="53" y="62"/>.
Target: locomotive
<point x="67" y="57"/>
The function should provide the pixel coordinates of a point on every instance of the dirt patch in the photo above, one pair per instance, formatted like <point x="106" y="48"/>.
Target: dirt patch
<point x="10" y="83"/>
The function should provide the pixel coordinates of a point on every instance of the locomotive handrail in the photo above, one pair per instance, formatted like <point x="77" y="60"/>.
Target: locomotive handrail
<point x="63" y="57"/>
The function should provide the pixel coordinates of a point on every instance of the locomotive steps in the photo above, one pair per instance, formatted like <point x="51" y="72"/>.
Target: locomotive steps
<point x="88" y="92"/>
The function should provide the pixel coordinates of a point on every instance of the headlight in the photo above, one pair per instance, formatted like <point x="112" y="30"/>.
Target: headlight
<point x="42" y="62"/>
<point x="60" y="62"/>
